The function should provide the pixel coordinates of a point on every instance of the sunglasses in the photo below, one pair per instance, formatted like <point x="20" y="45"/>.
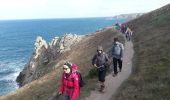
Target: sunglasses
<point x="65" y="68"/>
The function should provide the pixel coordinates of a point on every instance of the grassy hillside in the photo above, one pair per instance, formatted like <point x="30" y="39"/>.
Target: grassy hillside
<point x="81" y="54"/>
<point x="150" y="79"/>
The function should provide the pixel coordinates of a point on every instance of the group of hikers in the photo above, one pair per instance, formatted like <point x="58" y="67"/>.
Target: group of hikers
<point x="70" y="79"/>
<point x="125" y="30"/>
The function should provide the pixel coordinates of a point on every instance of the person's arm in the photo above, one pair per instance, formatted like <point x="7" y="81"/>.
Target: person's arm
<point x="112" y="50"/>
<point x="94" y="61"/>
<point x="122" y="49"/>
<point x="107" y="63"/>
<point x="106" y="57"/>
<point x="75" y="88"/>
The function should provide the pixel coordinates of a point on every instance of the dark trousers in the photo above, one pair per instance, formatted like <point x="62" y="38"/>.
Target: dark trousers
<point x="101" y="75"/>
<point x="115" y="63"/>
<point x="65" y="97"/>
<point x="128" y="37"/>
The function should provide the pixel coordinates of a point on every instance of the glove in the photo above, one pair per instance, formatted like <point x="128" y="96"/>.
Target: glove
<point x="60" y="93"/>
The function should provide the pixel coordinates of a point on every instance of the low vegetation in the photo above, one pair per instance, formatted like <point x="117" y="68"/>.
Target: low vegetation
<point x="150" y="79"/>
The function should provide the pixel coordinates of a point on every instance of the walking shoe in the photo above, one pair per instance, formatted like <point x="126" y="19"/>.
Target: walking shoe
<point x="102" y="88"/>
<point x="115" y="74"/>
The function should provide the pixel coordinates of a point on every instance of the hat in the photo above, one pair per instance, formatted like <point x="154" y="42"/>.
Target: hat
<point x="74" y="66"/>
<point x="116" y="39"/>
<point x="100" y="48"/>
<point x="68" y="64"/>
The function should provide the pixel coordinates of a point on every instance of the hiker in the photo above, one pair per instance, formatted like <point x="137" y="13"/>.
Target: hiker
<point x="69" y="88"/>
<point x="128" y="34"/>
<point x="117" y="54"/>
<point x="118" y="27"/>
<point x="123" y="28"/>
<point x="100" y="61"/>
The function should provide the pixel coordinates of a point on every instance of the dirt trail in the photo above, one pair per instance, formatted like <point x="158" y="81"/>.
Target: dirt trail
<point x="112" y="83"/>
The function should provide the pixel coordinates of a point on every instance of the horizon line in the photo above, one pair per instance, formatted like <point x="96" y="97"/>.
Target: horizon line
<point x="64" y="17"/>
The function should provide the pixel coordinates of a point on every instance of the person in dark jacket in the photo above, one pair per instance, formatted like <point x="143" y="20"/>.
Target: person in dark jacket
<point x="117" y="54"/>
<point x="69" y="88"/>
<point x="99" y="61"/>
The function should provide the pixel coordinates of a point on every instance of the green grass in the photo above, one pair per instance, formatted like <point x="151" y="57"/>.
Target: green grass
<point x="150" y="78"/>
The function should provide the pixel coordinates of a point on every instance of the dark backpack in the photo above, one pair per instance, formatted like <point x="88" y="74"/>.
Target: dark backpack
<point x="81" y="82"/>
<point x="80" y="79"/>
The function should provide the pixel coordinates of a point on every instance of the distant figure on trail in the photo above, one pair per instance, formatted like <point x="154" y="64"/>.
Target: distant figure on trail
<point x="118" y="27"/>
<point x="128" y="34"/>
<point x="100" y="61"/>
<point x="69" y="88"/>
<point x="117" y="54"/>
<point x="123" y="28"/>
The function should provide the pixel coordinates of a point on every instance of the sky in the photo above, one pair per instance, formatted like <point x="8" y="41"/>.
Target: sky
<point x="37" y="9"/>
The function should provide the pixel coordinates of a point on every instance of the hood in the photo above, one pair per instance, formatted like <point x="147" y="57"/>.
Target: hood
<point x="100" y="48"/>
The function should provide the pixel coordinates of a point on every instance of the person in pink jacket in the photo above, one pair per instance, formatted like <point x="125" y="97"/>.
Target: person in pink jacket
<point x="69" y="88"/>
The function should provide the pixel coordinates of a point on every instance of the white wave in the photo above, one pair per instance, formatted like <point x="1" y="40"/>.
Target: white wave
<point x="10" y="70"/>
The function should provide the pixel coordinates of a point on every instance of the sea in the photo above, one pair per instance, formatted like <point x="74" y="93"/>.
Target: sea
<point x="17" y="38"/>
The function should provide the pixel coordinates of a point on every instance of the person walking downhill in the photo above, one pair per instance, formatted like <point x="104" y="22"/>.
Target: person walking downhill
<point x="69" y="88"/>
<point x="117" y="54"/>
<point x="100" y="61"/>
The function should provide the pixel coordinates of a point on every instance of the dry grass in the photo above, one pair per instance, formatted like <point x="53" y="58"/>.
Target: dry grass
<point x="150" y="79"/>
<point x="81" y="54"/>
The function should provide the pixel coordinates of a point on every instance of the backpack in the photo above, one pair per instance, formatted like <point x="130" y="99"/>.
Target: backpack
<point x="117" y="49"/>
<point x="81" y="82"/>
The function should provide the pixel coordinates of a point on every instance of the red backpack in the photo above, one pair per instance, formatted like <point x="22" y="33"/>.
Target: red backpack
<point x="81" y="82"/>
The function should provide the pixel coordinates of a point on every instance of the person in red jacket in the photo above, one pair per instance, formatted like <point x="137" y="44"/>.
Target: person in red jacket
<point x="69" y="88"/>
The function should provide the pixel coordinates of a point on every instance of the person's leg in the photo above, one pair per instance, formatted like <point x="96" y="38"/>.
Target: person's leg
<point x="120" y="64"/>
<point x="126" y="36"/>
<point x="65" y="97"/>
<point x="129" y="36"/>
<point x="102" y="80"/>
<point x="99" y="78"/>
<point x="115" y="65"/>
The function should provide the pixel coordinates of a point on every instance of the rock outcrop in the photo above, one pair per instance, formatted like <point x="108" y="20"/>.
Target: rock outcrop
<point x="43" y="54"/>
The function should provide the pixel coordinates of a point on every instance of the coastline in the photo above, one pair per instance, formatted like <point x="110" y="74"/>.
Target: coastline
<point x="14" y="56"/>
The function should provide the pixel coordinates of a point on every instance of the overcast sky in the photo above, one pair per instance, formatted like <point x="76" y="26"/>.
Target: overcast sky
<point x="35" y="9"/>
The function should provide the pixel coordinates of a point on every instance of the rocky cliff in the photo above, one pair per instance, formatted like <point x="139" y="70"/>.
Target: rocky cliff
<point x="43" y="54"/>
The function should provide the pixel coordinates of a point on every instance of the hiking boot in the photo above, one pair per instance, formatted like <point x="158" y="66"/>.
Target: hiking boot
<point x="114" y="74"/>
<point x="102" y="88"/>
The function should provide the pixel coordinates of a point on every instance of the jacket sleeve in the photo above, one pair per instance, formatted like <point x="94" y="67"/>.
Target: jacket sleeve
<point x="112" y="50"/>
<point x="61" y="84"/>
<point x="106" y="57"/>
<point x="122" y="49"/>
<point x="76" y="88"/>
<point x="121" y="45"/>
<point x="94" y="60"/>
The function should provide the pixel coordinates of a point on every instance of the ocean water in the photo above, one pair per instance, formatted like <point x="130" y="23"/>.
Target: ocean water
<point x="17" y="39"/>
